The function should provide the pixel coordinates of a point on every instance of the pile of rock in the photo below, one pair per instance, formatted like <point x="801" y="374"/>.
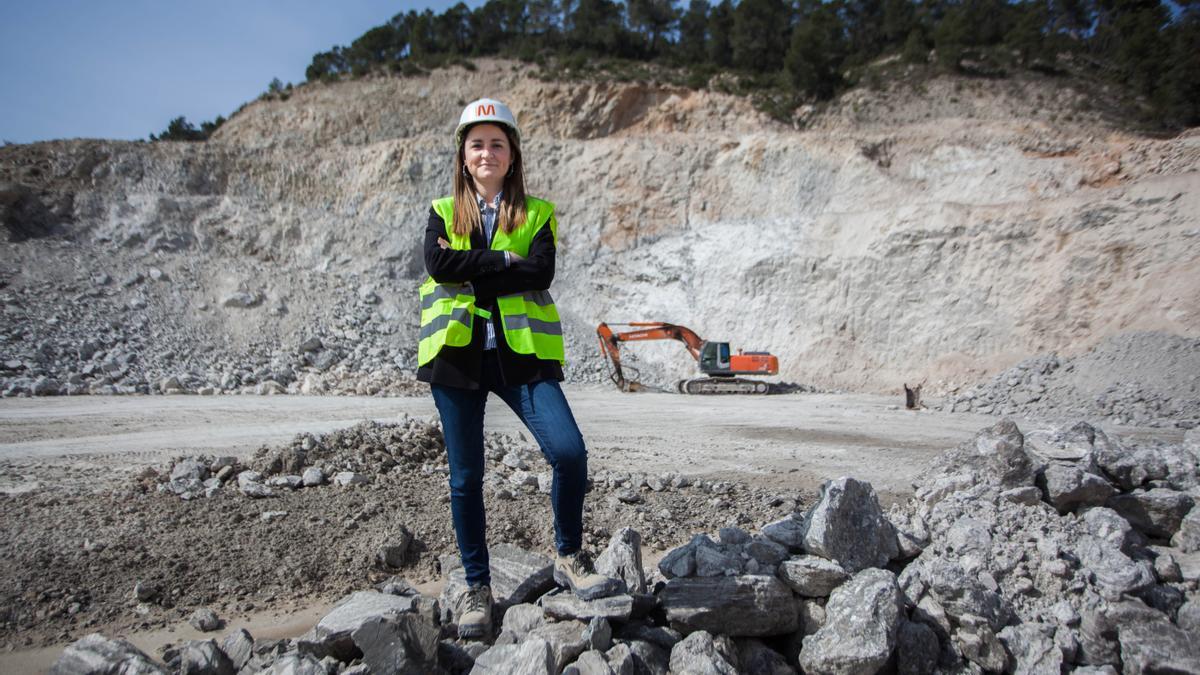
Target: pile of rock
<point x="350" y="456"/>
<point x="1054" y="551"/>
<point x="1142" y="379"/>
<point x="150" y="332"/>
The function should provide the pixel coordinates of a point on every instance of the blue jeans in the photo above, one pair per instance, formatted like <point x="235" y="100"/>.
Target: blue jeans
<point x="544" y="410"/>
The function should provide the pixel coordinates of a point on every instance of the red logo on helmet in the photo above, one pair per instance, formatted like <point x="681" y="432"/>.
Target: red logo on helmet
<point x="483" y="109"/>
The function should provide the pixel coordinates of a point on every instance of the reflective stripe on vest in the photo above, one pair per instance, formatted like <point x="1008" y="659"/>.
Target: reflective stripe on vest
<point x="529" y="320"/>
<point x="531" y="324"/>
<point x="446" y="318"/>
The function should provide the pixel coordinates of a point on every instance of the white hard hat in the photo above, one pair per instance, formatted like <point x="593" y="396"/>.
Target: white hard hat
<point x="485" y="110"/>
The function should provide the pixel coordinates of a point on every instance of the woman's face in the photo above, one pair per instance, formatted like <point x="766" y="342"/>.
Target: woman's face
<point x="486" y="153"/>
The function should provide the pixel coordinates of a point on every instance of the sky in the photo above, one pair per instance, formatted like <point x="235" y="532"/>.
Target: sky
<point x="123" y="69"/>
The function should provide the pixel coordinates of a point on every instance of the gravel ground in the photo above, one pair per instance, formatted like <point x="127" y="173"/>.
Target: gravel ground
<point x="72" y="565"/>
<point x="85" y="519"/>
<point x="1140" y="378"/>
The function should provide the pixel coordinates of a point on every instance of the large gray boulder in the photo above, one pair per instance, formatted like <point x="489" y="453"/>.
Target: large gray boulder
<point x="336" y="629"/>
<point x="1157" y="647"/>
<point x="591" y="662"/>
<point x="860" y="632"/>
<point x="767" y="553"/>
<point x="204" y="657"/>
<point x="714" y="562"/>
<point x="1128" y="467"/>
<point x="565" y="605"/>
<point x="645" y="657"/>
<point x="97" y="655"/>
<point x="788" y="532"/>
<point x="1157" y="512"/>
<point x="622" y="559"/>
<point x="1068" y="488"/>
<point x="977" y="642"/>
<point x="518" y="576"/>
<point x="755" y="658"/>
<point x="1032" y="649"/>
<point x="397" y="644"/>
<point x="566" y="640"/>
<point x="959" y="593"/>
<point x="848" y="526"/>
<point x="295" y="663"/>
<point x="531" y="657"/>
<point x="1108" y="525"/>
<point x="520" y="619"/>
<point x="702" y="654"/>
<point x="1001" y="448"/>
<point x="686" y="560"/>
<point x="1187" y="537"/>
<point x="748" y="605"/>
<point x="1113" y="571"/>
<point x="1100" y="624"/>
<point x="812" y="576"/>
<point x="917" y="649"/>
<point x="238" y="646"/>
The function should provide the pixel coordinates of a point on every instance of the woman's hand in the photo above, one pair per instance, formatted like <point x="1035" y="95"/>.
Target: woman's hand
<point x="514" y="256"/>
<point x="443" y="243"/>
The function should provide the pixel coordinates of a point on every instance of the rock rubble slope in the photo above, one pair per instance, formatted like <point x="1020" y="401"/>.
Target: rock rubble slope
<point x="898" y="238"/>
<point x="303" y="522"/>
<point x="1060" y="550"/>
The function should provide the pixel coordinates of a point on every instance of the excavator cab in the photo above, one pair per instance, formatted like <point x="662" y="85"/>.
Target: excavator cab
<point x="714" y="358"/>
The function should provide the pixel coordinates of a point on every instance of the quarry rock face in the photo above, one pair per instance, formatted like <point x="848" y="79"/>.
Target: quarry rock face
<point x="286" y="249"/>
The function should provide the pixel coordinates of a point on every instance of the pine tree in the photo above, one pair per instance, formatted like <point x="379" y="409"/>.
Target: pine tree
<point x="759" y="35"/>
<point x="693" y="31"/>
<point x="1180" y="89"/>
<point x="816" y="52"/>
<point x="720" y="20"/>
<point x="652" y="18"/>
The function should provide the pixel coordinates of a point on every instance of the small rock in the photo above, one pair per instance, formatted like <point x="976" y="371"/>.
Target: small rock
<point x="812" y="576"/>
<point x="392" y="554"/>
<point x="622" y="559"/>
<point x="531" y="657"/>
<point x="346" y="478"/>
<point x="204" y="619"/>
<point x="702" y="654"/>
<point x="313" y="477"/>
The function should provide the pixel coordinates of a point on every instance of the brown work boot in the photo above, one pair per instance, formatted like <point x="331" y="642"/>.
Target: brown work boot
<point x="576" y="572"/>
<point x="475" y="612"/>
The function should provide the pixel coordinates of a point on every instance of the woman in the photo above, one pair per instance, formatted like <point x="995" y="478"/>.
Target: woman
<point x="488" y="324"/>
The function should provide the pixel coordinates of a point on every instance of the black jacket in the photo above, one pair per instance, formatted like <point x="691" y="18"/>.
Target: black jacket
<point x="484" y="268"/>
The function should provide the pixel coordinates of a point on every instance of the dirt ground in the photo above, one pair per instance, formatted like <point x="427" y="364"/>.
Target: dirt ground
<point x="83" y="523"/>
<point x="792" y="441"/>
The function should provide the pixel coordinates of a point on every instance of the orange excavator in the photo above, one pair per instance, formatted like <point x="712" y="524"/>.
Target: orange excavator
<point x="721" y="367"/>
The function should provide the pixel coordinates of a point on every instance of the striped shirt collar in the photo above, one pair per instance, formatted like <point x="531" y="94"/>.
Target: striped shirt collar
<point x="495" y="202"/>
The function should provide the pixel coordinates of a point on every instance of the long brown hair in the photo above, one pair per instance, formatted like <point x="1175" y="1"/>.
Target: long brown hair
<point x="512" y="202"/>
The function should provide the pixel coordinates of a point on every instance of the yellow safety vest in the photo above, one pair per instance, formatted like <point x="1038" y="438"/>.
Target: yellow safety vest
<point x="529" y="319"/>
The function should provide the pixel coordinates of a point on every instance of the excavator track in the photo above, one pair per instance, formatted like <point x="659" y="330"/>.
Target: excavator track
<point x="723" y="385"/>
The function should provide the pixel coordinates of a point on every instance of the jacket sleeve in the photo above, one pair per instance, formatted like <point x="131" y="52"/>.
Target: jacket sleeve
<point x="533" y="273"/>
<point x="448" y="265"/>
